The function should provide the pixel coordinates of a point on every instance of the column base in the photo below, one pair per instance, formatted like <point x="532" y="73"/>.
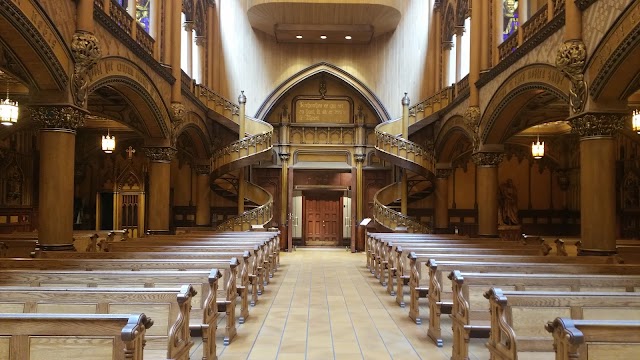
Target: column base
<point x="159" y="232"/>
<point x="596" y="252"/>
<point x="57" y="247"/>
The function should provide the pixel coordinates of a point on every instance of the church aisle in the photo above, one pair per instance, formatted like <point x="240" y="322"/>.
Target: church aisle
<point x="324" y="304"/>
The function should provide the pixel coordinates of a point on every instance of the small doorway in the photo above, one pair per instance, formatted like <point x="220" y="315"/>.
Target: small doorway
<point x="105" y="206"/>
<point x="323" y="218"/>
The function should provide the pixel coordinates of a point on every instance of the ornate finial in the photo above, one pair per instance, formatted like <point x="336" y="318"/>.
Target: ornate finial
<point x="405" y="100"/>
<point x="242" y="99"/>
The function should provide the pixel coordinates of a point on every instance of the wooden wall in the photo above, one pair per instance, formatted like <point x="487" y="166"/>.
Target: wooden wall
<point x="253" y="61"/>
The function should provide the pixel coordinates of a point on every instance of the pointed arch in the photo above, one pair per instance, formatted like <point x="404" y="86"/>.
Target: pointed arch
<point x="452" y="134"/>
<point x="195" y="129"/>
<point x="320" y="68"/>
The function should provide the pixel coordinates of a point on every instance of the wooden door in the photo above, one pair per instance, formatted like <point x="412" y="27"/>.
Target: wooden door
<point x="323" y="219"/>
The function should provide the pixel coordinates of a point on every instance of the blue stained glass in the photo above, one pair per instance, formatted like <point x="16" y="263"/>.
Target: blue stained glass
<point x="142" y="13"/>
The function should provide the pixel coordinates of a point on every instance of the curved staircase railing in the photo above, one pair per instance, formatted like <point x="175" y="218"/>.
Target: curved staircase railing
<point x="254" y="147"/>
<point x="390" y="146"/>
<point x="390" y="218"/>
<point x="261" y="215"/>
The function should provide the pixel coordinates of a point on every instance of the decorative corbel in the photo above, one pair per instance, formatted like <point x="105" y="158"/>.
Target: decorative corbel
<point x="571" y="60"/>
<point x="85" y="49"/>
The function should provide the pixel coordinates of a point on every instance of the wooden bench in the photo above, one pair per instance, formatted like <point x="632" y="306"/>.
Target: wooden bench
<point x="227" y="293"/>
<point x="595" y="339"/>
<point x="416" y="291"/>
<point x="204" y="310"/>
<point x="19" y="247"/>
<point x="439" y="283"/>
<point x="518" y="318"/>
<point x="168" y="307"/>
<point x="470" y="311"/>
<point x="396" y="264"/>
<point x="73" y="336"/>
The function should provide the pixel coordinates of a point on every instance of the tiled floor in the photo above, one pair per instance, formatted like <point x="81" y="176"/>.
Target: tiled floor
<point x="325" y="304"/>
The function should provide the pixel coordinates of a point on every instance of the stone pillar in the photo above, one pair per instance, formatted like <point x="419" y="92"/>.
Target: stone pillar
<point x="84" y="18"/>
<point x="188" y="27"/>
<point x="285" y="218"/>
<point x="57" y="157"/>
<point x="485" y="61"/>
<point x="476" y="44"/>
<point x="441" y="199"/>
<point x="242" y="100"/>
<point x="198" y="74"/>
<point x="359" y="202"/>
<point x="159" y="188"/>
<point x="174" y="28"/>
<point x="597" y="180"/>
<point x="487" y="172"/>
<point x="573" y="21"/>
<point x="203" y="191"/>
<point x="437" y="78"/>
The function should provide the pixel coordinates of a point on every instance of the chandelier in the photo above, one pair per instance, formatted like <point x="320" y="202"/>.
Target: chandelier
<point x="8" y="110"/>
<point x="537" y="149"/>
<point x="635" y="121"/>
<point x="108" y="143"/>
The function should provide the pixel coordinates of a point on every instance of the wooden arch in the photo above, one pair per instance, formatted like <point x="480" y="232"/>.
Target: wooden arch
<point x="514" y="93"/>
<point x="323" y="67"/>
<point x="449" y="138"/>
<point x="134" y="85"/>
<point x="195" y="129"/>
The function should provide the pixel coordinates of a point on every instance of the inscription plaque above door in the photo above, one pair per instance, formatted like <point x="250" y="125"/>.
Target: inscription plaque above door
<point x="323" y="111"/>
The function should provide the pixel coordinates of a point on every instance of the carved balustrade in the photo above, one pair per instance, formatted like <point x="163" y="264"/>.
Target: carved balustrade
<point x="462" y="86"/>
<point x="322" y="135"/>
<point x="144" y="39"/>
<point x="431" y="104"/>
<point x="392" y="219"/>
<point x="216" y="102"/>
<point x="258" y="216"/>
<point x="120" y="16"/>
<point x="535" y="23"/>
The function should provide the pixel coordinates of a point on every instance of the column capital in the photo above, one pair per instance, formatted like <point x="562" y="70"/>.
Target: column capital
<point x="58" y="117"/>
<point x="160" y="154"/>
<point x="284" y="156"/>
<point x="443" y="173"/>
<point x="202" y="169"/>
<point x="597" y="124"/>
<point x="360" y="158"/>
<point x="488" y="159"/>
<point x="200" y="40"/>
<point x="178" y="110"/>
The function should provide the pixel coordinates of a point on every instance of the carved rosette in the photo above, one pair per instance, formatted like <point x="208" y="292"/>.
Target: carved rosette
<point x="160" y="154"/>
<point x="360" y="158"/>
<point x="443" y="173"/>
<point x="597" y="124"/>
<point x="202" y="169"/>
<point x="58" y="117"/>
<point x="86" y="52"/>
<point x="487" y="158"/>
<point x="571" y="60"/>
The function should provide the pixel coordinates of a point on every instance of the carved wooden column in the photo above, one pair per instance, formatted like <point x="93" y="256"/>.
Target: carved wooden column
<point x="57" y="157"/>
<point x="487" y="172"/>
<point x="446" y="56"/>
<point x="404" y="196"/>
<point x="359" y="200"/>
<point x="203" y="191"/>
<point x="159" y="188"/>
<point x="481" y="9"/>
<point x="437" y="75"/>
<point x="441" y="199"/>
<point x="242" y="100"/>
<point x="459" y="31"/>
<point x="285" y="218"/>
<point x="188" y="27"/>
<point x="597" y="180"/>
<point x="175" y="17"/>
<point x="198" y="73"/>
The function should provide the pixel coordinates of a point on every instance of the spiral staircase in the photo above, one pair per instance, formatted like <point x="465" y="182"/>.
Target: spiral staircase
<point x="227" y="163"/>
<point x="413" y="158"/>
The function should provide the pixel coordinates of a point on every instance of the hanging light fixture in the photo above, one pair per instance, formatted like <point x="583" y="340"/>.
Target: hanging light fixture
<point x="8" y="110"/>
<point x="635" y="121"/>
<point x="537" y="149"/>
<point x="108" y="143"/>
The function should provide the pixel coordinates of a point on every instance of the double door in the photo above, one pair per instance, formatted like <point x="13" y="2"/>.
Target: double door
<point x="323" y="219"/>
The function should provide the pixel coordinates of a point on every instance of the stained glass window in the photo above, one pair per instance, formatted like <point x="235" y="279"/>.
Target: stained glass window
<point x="510" y="17"/>
<point x="142" y="13"/>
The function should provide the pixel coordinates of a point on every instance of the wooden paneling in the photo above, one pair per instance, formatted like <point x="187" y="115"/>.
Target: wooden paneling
<point x="390" y="65"/>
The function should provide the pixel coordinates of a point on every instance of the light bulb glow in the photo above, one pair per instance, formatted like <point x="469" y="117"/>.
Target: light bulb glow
<point x="8" y="112"/>
<point x="108" y="143"/>
<point x="635" y="121"/>
<point x="323" y="37"/>
<point x="537" y="149"/>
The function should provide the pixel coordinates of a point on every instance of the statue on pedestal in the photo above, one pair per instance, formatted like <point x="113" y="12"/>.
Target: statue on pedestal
<point x="508" y="204"/>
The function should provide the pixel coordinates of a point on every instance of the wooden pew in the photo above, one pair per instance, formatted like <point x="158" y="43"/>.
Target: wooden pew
<point x="518" y="318"/>
<point x="417" y="291"/>
<point x="73" y="336"/>
<point x="470" y="311"/>
<point x="243" y="271"/>
<point x="594" y="339"/>
<point x="437" y="284"/>
<point x="19" y="247"/>
<point x="227" y="293"/>
<point x="3" y="249"/>
<point x="396" y="263"/>
<point x="204" y="310"/>
<point x="168" y="307"/>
